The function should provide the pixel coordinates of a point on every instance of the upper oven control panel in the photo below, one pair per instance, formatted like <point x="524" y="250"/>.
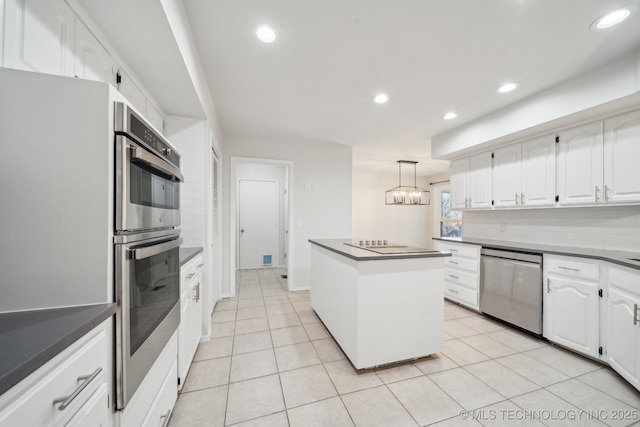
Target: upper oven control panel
<point x="129" y="122"/>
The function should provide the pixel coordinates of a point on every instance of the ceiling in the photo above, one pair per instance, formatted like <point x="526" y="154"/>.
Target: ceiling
<point x="317" y="81"/>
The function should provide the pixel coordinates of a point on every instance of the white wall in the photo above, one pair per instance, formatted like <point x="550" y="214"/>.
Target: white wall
<point x="189" y="137"/>
<point x="271" y="172"/>
<point x="373" y="219"/>
<point x="324" y="211"/>
<point x="613" y="228"/>
<point x="588" y="97"/>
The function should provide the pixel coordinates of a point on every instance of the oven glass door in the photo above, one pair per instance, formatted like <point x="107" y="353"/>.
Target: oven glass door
<point x="154" y="289"/>
<point x="147" y="189"/>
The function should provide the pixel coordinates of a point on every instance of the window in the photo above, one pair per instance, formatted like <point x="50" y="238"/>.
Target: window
<point x="450" y="220"/>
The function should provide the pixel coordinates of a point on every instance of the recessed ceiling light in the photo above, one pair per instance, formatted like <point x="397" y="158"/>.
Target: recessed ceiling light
<point x="612" y="18"/>
<point x="508" y="87"/>
<point x="266" y="34"/>
<point x="450" y="115"/>
<point x="381" y="98"/>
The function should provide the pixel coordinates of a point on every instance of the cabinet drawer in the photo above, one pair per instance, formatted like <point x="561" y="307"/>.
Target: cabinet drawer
<point x="571" y="268"/>
<point x="165" y="399"/>
<point x="462" y="263"/>
<point x="85" y="366"/>
<point x="461" y="294"/>
<point x="460" y="278"/>
<point x="459" y="249"/>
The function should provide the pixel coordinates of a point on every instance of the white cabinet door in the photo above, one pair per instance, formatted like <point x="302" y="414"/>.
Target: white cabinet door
<point x="92" y="61"/>
<point x="623" y="331"/>
<point x="621" y="154"/>
<point x="580" y="158"/>
<point x="571" y="318"/>
<point x="184" y="337"/>
<point x="459" y="183"/>
<point x="480" y="180"/>
<point x="94" y="413"/>
<point x="39" y="36"/>
<point x="538" y="172"/>
<point x="507" y="176"/>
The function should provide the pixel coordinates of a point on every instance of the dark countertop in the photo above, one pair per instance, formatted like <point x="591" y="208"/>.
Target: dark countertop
<point x="29" y="339"/>
<point x="338" y="246"/>
<point x="186" y="254"/>
<point x="615" y="257"/>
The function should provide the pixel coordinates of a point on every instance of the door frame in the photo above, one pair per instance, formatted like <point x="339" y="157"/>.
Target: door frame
<point x="233" y="217"/>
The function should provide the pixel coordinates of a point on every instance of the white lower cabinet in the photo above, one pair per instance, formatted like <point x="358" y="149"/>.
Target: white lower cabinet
<point x="461" y="272"/>
<point x="623" y="331"/>
<point x="190" y="329"/>
<point x="71" y="389"/>
<point x="157" y="393"/>
<point x="571" y="304"/>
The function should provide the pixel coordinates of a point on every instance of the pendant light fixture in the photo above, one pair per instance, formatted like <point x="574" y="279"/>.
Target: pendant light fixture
<point x="404" y="194"/>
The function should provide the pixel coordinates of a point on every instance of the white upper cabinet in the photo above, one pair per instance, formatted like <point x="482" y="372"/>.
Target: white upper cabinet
<point x="621" y="154"/>
<point x="459" y="183"/>
<point x="39" y="36"/>
<point x="92" y="61"/>
<point x="507" y="173"/>
<point x="480" y="180"/>
<point x="580" y="165"/>
<point x="471" y="182"/>
<point x="539" y="172"/>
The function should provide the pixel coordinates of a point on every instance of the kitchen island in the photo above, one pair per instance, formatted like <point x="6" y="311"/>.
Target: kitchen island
<point x="382" y="304"/>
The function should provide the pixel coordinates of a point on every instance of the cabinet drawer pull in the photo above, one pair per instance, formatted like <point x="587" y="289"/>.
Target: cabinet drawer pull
<point x="66" y="400"/>
<point x="453" y="277"/>
<point x="200" y="265"/>
<point x="191" y="275"/>
<point x="453" y="291"/>
<point x="635" y="314"/>
<point x="196" y="288"/>
<point x="577" y="270"/>
<point x="165" y="418"/>
<point x="452" y="250"/>
<point x="453" y="262"/>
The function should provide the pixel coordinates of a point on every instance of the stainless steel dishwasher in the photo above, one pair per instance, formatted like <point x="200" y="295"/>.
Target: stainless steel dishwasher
<point x="511" y="287"/>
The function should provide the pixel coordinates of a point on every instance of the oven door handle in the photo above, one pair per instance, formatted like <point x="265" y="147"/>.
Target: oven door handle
<point x="155" y="162"/>
<point x="146" y="252"/>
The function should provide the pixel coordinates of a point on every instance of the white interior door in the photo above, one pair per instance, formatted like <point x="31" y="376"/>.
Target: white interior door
<point x="257" y="223"/>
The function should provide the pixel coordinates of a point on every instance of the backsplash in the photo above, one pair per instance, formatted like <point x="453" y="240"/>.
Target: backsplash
<point x="611" y="227"/>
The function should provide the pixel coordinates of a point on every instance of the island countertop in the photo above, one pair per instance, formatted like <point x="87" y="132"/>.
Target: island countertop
<point x="342" y="247"/>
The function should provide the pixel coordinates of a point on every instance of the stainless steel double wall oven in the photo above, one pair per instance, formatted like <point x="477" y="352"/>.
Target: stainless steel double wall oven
<point x="146" y="245"/>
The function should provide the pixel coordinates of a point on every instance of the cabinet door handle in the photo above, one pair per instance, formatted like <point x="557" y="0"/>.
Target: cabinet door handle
<point x="548" y="285"/>
<point x="577" y="270"/>
<point x="165" y="418"/>
<point x="517" y="199"/>
<point x="191" y="275"/>
<point x="635" y="314"/>
<point x="597" y="191"/>
<point x="521" y="198"/>
<point x="453" y="262"/>
<point x="606" y="193"/>
<point x="453" y="291"/>
<point x="66" y="400"/>
<point x="200" y="265"/>
<point x="454" y="277"/>
<point x="452" y="250"/>
<point x="196" y="288"/>
<point x="469" y="201"/>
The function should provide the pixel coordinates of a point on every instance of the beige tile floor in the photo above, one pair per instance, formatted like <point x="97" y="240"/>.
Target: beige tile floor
<point x="271" y="362"/>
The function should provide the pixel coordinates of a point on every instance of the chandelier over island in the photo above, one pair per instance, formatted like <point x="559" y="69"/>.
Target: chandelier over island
<point x="404" y="194"/>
